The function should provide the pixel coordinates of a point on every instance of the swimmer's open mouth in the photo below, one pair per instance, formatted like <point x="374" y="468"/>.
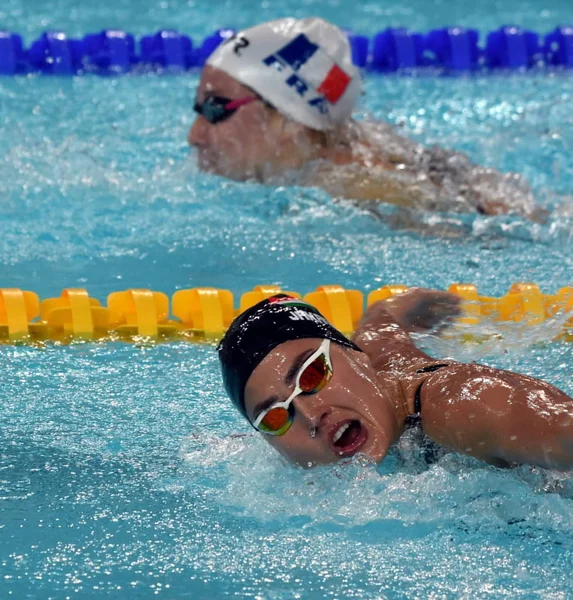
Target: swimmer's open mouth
<point x="347" y="437"/>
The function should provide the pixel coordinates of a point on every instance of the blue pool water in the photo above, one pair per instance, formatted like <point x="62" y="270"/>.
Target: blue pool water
<point x="123" y="471"/>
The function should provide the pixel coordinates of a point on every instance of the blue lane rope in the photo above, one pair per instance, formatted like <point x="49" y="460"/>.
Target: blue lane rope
<point x="446" y="50"/>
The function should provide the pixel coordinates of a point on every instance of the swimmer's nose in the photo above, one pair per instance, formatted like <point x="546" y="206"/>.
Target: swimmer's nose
<point x="312" y="410"/>
<point x="198" y="133"/>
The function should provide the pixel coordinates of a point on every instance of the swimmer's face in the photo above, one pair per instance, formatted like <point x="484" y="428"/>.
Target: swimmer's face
<point x="354" y="413"/>
<point x="252" y="143"/>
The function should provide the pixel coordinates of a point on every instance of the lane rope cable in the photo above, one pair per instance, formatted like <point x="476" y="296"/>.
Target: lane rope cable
<point x="204" y="313"/>
<point x="447" y="50"/>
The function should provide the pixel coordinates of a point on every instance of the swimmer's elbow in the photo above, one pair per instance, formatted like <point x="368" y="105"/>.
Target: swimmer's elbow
<point x="499" y="207"/>
<point x="492" y="207"/>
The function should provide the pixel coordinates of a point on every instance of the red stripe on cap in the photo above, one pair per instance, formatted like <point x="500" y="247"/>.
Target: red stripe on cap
<point x="282" y="298"/>
<point x="334" y="84"/>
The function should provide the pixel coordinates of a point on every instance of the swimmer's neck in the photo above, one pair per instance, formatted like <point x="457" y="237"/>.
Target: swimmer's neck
<point x="403" y="397"/>
<point x="399" y="403"/>
<point x="389" y="425"/>
<point x="400" y="407"/>
<point x="297" y="154"/>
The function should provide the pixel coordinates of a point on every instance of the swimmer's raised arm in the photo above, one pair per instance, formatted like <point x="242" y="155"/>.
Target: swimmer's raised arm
<point x="494" y="415"/>
<point x="384" y="330"/>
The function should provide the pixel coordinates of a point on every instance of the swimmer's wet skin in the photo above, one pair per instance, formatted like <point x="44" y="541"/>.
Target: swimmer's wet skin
<point x="317" y="396"/>
<point x="275" y="104"/>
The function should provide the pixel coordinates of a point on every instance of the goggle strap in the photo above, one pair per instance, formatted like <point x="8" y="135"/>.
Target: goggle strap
<point x="234" y="104"/>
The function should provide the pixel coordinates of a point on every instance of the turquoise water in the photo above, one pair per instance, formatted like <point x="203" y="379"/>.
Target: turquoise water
<point x="123" y="471"/>
<point x="199" y="17"/>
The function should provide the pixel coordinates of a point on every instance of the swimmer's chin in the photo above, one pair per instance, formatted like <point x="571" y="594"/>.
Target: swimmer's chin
<point x="360" y="457"/>
<point x="207" y="166"/>
<point x="266" y="173"/>
<point x="375" y="451"/>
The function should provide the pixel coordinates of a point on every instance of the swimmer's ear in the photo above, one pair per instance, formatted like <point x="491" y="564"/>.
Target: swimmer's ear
<point x="277" y="123"/>
<point x="281" y="128"/>
<point x="303" y="135"/>
<point x="291" y="128"/>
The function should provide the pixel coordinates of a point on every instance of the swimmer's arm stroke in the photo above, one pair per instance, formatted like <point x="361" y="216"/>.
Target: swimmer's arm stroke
<point x="501" y="417"/>
<point x="498" y="416"/>
<point x="384" y="332"/>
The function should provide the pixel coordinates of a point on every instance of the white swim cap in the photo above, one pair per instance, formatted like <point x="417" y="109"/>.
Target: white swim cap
<point x="303" y="67"/>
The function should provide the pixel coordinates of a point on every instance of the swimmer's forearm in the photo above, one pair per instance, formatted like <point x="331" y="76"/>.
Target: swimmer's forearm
<point x="377" y="316"/>
<point x="385" y="341"/>
<point x="415" y="310"/>
<point x="384" y="332"/>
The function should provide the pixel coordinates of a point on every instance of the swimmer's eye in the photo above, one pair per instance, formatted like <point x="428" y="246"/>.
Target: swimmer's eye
<point x="313" y="376"/>
<point x="216" y="109"/>
<point x="277" y="421"/>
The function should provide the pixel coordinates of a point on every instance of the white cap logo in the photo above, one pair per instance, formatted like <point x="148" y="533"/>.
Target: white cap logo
<point x="303" y="67"/>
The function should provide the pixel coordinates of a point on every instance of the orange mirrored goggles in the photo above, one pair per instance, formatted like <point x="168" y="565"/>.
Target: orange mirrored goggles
<point x="312" y="377"/>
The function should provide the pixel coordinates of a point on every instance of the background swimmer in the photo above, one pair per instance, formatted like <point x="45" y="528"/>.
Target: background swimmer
<point x="317" y="396"/>
<point x="275" y="105"/>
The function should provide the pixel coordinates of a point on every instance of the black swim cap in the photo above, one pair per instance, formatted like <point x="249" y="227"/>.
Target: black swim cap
<point x="254" y="333"/>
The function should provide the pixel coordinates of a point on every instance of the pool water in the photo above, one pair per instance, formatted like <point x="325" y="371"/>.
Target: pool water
<point x="123" y="470"/>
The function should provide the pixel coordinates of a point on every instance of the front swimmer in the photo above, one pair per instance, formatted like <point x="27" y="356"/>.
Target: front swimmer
<point x="317" y="396"/>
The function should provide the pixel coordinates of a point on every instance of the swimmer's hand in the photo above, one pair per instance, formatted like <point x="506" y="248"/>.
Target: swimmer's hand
<point x="419" y="309"/>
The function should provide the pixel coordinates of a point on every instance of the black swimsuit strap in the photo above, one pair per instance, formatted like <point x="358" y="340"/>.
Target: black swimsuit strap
<point x="417" y="398"/>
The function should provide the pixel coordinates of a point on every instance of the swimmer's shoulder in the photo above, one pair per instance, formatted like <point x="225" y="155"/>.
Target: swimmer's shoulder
<point x="497" y="415"/>
<point x="458" y="412"/>
<point x="376" y="181"/>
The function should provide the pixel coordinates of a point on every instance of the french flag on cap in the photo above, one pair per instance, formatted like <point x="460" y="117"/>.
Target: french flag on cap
<point x="314" y="66"/>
